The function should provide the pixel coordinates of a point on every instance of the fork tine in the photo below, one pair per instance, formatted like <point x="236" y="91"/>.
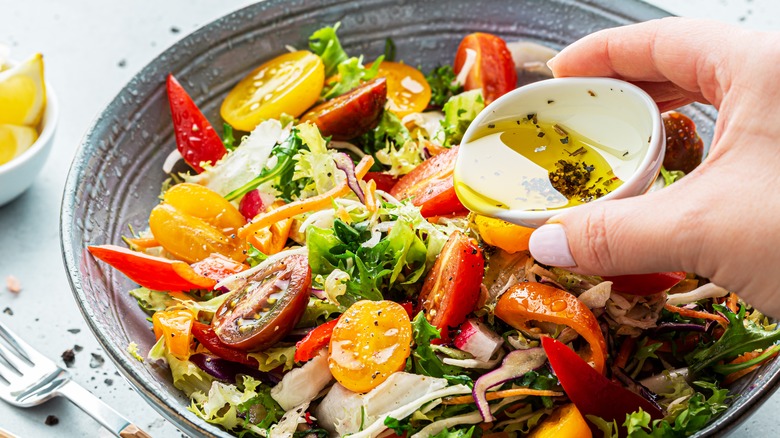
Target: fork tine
<point x="12" y="360"/>
<point x="22" y="348"/>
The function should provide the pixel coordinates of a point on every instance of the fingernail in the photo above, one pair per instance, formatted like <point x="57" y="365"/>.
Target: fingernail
<point x="550" y="246"/>
<point x="551" y="62"/>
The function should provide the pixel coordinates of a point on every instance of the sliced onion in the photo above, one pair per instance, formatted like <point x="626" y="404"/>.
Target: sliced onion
<point x="516" y="364"/>
<point x="709" y="290"/>
<point x="171" y="160"/>
<point x="344" y="163"/>
<point x="475" y="363"/>
<point x="319" y="293"/>
<point x="226" y="370"/>
<point x="236" y="280"/>
<point x="348" y="146"/>
<point x="388" y="197"/>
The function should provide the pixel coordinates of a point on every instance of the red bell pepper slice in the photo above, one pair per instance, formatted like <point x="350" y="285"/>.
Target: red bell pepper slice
<point x="591" y="392"/>
<point x="384" y="181"/>
<point x="151" y="272"/>
<point x="195" y="137"/>
<point x="644" y="284"/>
<point x="204" y="333"/>
<point x="306" y="349"/>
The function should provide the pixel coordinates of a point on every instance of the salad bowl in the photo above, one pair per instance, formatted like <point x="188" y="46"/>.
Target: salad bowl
<point x="116" y="175"/>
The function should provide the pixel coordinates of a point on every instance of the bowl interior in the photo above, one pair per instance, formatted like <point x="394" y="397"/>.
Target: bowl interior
<point x="116" y="175"/>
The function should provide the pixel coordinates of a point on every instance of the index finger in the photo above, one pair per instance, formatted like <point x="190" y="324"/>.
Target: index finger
<point x="686" y="52"/>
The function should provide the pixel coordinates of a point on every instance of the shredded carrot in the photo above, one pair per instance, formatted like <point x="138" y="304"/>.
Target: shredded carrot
<point x="626" y="348"/>
<point x="304" y="206"/>
<point x="141" y="242"/>
<point x="732" y="302"/>
<point x="696" y="314"/>
<point x="731" y="378"/>
<point x="493" y="395"/>
<point x="370" y="193"/>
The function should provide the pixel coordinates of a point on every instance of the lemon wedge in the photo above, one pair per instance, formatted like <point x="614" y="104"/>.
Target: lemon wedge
<point x="14" y="140"/>
<point x="23" y="93"/>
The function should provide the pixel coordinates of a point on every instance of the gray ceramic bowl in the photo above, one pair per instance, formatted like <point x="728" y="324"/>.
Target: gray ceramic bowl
<point x="116" y="174"/>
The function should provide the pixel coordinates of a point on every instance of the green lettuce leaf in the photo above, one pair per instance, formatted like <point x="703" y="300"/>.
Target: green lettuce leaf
<point x="318" y="312"/>
<point x="741" y="336"/>
<point x="398" y="258"/>
<point x="443" y="86"/>
<point x="151" y="300"/>
<point x="275" y="357"/>
<point x="325" y="44"/>
<point x="351" y="73"/>
<point x="459" y="112"/>
<point x="423" y="356"/>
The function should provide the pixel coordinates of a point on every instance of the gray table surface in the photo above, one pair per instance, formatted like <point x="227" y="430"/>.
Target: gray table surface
<point x="92" y="48"/>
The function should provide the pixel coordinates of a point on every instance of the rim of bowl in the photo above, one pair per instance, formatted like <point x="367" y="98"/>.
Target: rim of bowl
<point x="654" y="150"/>
<point x="51" y="116"/>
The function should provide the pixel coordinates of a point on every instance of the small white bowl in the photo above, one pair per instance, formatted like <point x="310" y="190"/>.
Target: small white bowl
<point x="593" y="107"/>
<point x="18" y="174"/>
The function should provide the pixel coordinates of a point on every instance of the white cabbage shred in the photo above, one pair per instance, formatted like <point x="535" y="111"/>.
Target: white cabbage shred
<point x="301" y="385"/>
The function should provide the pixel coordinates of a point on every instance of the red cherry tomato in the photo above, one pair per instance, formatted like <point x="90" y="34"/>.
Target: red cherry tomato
<point x="430" y="186"/>
<point x="644" y="284"/>
<point x="310" y="345"/>
<point x="451" y="290"/>
<point x="195" y="137"/>
<point x="493" y="70"/>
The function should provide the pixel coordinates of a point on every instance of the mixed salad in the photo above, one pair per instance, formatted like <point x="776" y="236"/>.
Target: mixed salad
<point x="319" y="276"/>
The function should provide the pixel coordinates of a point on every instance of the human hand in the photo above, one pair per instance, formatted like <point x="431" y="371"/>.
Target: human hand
<point x="722" y="221"/>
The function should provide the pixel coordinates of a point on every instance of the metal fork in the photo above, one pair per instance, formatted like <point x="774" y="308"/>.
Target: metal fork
<point x="28" y="378"/>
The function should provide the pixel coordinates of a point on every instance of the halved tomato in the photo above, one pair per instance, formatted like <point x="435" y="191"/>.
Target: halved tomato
<point x="352" y="114"/>
<point x="451" y="290"/>
<point x="431" y="187"/>
<point x="493" y="69"/>
<point x="267" y="307"/>
<point x="407" y="90"/>
<point x="288" y="84"/>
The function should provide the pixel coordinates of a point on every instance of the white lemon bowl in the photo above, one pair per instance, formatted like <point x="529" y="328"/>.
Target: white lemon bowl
<point x="17" y="175"/>
<point x="611" y="111"/>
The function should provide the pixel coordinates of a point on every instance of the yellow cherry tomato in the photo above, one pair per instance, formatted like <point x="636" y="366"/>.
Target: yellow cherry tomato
<point x="509" y="237"/>
<point x="370" y="342"/>
<point x="564" y="422"/>
<point x="176" y="326"/>
<point x="190" y="238"/>
<point x="407" y="90"/>
<point x="194" y="222"/>
<point x="289" y="84"/>
<point x="201" y="202"/>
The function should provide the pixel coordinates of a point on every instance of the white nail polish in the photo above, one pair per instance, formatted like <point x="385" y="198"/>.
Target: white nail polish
<point x="549" y="246"/>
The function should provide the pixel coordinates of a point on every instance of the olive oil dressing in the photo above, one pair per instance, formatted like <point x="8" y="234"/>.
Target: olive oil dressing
<point x="548" y="166"/>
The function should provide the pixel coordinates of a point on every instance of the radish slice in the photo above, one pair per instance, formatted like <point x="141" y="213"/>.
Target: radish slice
<point x="476" y="338"/>
<point x="515" y="365"/>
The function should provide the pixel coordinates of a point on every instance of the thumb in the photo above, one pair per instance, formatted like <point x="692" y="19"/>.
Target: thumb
<point x="655" y="232"/>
